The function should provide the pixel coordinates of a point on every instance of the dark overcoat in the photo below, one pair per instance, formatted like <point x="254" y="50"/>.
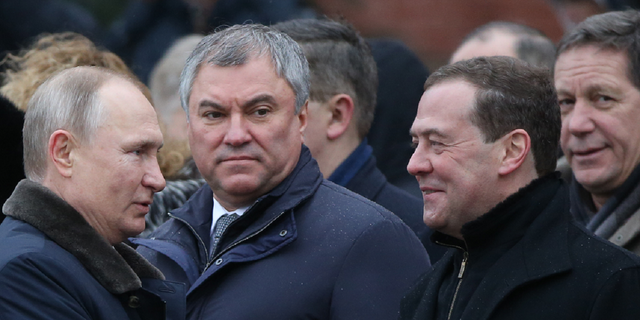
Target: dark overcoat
<point x="527" y="259"/>
<point x="54" y="265"/>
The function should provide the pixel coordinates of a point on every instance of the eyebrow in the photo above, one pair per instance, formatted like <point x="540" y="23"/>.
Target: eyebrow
<point x="259" y="99"/>
<point x="428" y="132"/>
<point x="146" y="144"/>
<point x="256" y="100"/>
<point x="209" y="103"/>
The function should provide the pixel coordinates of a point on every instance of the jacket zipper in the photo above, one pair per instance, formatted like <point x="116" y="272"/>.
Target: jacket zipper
<point x="463" y="267"/>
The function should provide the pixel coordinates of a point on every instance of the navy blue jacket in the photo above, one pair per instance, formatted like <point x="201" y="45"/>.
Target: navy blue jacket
<point x="309" y="249"/>
<point x="53" y="265"/>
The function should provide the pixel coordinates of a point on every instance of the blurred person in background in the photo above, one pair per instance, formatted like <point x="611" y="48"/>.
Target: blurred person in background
<point x="501" y="38"/>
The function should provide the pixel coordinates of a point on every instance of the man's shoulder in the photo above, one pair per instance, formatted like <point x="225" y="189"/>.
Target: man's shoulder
<point x="21" y="243"/>
<point x="344" y="198"/>
<point x="597" y="253"/>
<point x="394" y="198"/>
<point x="332" y="204"/>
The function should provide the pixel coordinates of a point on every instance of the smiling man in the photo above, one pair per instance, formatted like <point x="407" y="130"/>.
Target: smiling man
<point x="486" y="135"/>
<point x="90" y="144"/>
<point x="599" y="93"/>
<point x="268" y="237"/>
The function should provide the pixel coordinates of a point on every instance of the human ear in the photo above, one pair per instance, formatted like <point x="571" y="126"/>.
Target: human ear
<point x="341" y="106"/>
<point x="303" y="117"/>
<point x="517" y="145"/>
<point x="61" y="147"/>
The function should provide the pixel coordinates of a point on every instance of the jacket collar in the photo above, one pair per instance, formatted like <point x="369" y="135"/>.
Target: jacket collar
<point x="543" y="249"/>
<point x="118" y="269"/>
<point x="300" y="184"/>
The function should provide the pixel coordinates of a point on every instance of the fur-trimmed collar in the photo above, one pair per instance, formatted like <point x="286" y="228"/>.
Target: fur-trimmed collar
<point x="118" y="268"/>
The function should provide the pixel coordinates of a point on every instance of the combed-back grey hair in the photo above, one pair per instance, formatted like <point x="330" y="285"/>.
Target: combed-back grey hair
<point x="340" y="61"/>
<point x="619" y="30"/>
<point x="531" y="44"/>
<point x="511" y="94"/>
<point x="68" y="100"/>
<point x="238" y="44"/>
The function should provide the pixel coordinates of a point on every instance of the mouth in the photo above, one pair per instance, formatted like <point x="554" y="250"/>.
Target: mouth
<point x="585" y="153"/>
<point x="143" y="206"/>
<point x="238" y="158"/>
<point x="427" y="191"/>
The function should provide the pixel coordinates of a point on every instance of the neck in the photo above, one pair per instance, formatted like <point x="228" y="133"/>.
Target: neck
<point x="335" y="153"/>
<point x="599" y="200"/>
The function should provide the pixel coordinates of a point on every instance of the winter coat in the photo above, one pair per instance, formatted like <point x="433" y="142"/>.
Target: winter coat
<point x="54" y="265"/>
<point x="309" y="249"/>
<point x="527" y="259"/>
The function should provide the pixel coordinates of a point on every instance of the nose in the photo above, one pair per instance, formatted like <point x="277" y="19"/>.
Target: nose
<point x="153" y="177"/>
<point x="579" y="121"/>
<point x="420" y="163"/>
<point x="237" y="133"/>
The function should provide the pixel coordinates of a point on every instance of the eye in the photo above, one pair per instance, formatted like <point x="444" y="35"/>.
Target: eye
<point x="564" y="102"/>
<point x="434" y="143"/>
<point x="604" y="99"/>
<point x="414" y="144"/>
<point x="261" y="112"/>
<point x="565" y="105"/>
<point x="212" y="115"/>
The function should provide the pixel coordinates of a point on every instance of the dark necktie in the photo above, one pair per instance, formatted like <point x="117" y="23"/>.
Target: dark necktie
<point x="221" y="225"/>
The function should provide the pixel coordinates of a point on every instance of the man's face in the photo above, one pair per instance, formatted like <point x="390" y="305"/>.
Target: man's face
<point x="454" y="167"/>
<point x="116" y="174"/>
<point x="244" y="134"/>
<point x="600" y="118"/>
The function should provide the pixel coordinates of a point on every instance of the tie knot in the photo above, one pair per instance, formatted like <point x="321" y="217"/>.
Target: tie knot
<point x="222" y="224"/>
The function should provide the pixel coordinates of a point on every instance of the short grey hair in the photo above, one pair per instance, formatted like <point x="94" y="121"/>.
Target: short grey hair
<point x="68" y="100"/>
<point x="238" y="44"/>
<point x="619" y="31"/>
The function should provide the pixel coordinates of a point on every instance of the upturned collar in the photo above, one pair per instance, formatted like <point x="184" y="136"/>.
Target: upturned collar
<point x="117" y="268"/>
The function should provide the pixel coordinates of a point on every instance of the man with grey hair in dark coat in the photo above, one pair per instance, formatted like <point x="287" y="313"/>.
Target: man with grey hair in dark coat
<point x="267" y="237"/>
<point x="90" y="145"/>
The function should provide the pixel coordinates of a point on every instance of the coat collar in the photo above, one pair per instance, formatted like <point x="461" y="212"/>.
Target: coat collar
<point x="542" y="251"/>
<point x="117" y="268"/>
<point x="299" y="185"/>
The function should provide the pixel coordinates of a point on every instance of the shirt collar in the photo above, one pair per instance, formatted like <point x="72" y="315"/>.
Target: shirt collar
<point x="218" y="211"/>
